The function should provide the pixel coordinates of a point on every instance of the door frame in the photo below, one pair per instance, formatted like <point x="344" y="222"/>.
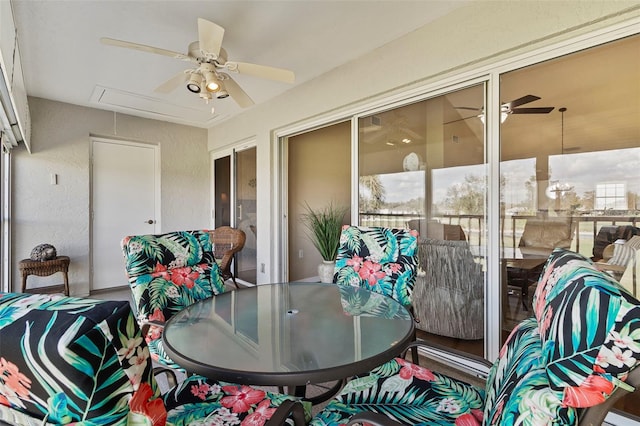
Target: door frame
<point x="157" y="208"/>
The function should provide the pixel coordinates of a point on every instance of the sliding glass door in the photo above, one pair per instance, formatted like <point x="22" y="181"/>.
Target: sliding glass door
<point x="422" y="166"/>
<point x="234" y="192"/>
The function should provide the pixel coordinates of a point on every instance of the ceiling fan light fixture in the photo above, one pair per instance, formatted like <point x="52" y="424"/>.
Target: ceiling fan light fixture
<point x="212" y="82"/>
<point x="195" y="83"/>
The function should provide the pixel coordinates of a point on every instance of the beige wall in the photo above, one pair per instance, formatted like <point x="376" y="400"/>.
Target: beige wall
<point x="59" y="214"/>
<point x="319" y="173"/>
<point x="480" y="33"/>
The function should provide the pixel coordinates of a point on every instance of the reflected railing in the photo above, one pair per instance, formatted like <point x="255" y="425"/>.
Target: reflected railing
<point x="511" y="227"/>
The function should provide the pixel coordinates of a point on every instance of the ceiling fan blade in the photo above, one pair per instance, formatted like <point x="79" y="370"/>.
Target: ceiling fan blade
<point x="521" y="101"/>
<point x="469" y="108"/>
<point x="539" y="110"/>
<point x="210" y="37"/>
<point x="145" y="48"/>
<point x="262" y="71"/>
<point x="414" y="135"/>
<point x="173" y="83"/>
<point x="236" y="92"/>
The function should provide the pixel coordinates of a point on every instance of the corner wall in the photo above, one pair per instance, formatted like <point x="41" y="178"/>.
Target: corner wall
<point x="59" y="214"/>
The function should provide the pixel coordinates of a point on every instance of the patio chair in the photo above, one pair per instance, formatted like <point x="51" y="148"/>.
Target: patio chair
<point x="382" y="260"/>
<point x="449" y="297"/>
<point x="166" y="273"/>
<point x="555" y="368"/>
<point x="227" y="241"/>
<point x="84" y="361"/>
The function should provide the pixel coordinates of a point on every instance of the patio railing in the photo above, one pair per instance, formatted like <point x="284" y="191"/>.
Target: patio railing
<point x="511" y="227"/>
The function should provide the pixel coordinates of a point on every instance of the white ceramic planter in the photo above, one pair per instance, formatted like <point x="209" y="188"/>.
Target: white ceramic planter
<point x="325" y="271"/>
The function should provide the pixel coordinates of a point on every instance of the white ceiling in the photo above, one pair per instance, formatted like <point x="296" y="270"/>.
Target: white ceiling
<point x="64" y="60"/>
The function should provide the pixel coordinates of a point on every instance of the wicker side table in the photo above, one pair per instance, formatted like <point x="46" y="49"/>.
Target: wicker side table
<point x="44" y="269"/>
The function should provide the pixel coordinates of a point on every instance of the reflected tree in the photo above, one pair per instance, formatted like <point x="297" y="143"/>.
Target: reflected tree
<point x="373" y="197"/>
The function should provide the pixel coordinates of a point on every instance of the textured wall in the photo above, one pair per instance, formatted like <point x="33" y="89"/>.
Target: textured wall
<point x="59" y="214"/>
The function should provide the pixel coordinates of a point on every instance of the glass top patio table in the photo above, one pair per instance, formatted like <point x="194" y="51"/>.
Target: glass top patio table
<point x="288" y="334"/>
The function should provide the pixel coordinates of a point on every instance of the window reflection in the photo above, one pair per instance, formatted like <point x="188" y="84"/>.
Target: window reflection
<point x="421" y="166"/>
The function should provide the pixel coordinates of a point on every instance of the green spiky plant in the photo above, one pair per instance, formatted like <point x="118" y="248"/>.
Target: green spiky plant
<point x="324" y="227"/>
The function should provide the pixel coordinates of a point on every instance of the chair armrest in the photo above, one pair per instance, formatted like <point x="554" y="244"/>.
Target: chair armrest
<point x="288" y="409"/>
<point x="605" y="267"/>
<point x="371" y="418"/>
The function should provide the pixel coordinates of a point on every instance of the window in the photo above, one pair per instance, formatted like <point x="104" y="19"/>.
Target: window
<point x="611" y="196"/>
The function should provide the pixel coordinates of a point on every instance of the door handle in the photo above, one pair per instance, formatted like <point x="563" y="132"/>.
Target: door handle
<point x="150" y="221"/>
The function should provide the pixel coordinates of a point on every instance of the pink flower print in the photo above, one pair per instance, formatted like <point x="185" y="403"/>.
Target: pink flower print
<point x="355" y="262"/>
<point x="13" y="379"/>
<point x="467" y="419"/>
<point x="186" y="276"/>
<point x="371" y="272"/>
<point x="414" y="233"/>
<point x="200" y="391"/>
<point x="260" y="416"/>
<point x="160" y="271"/>
<point x="394" y="267"/>
<point x="410" y="370"/>
<point x="240" y="398"/>
<point x="591" y="392"/>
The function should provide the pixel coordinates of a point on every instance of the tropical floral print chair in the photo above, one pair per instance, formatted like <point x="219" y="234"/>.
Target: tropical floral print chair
<point x="565" y="366"/>
<point x="383" y="260"/>
<point x="168" y="272"/>
<point x="66" y="360"/>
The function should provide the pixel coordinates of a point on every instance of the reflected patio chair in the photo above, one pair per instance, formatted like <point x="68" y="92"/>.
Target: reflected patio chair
<point x="618" y="257"/>
<point x="541" y="235"/>
<point x="168" y="272"/>
<point x="227" y="241"/>
<point x="382" y="260"/>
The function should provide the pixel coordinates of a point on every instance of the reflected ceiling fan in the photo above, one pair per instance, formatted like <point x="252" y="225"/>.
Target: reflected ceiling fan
<point x="210" y="75"/>
<point x="512" y="107"/>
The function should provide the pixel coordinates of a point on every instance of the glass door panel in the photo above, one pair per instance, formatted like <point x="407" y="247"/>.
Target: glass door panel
<point x="246" y="213"/>
<point x="222" y="191"/>
<point x="422" y="166"/>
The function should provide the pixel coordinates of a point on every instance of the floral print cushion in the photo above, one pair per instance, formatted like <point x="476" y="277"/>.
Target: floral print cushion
<point x="589" y="329"/>
<point x="172" y="250"/>
<point x="73" y="359"/>
<point x="557" y="272"/>
<point x="199" y="401"/>
<point x="381" y="259"/>
<point x="167" y="273"/>
<point x="518" y="389"/>
<point x="407" y="393"/>
<point x="593" y="340"/>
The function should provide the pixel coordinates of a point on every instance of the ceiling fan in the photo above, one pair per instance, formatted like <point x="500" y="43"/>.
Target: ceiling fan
<point x="508" y="108"/>
<point x="209" y="77"/>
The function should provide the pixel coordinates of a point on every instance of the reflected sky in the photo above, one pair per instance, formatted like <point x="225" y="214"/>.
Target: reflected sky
<point x="581" y="170"/>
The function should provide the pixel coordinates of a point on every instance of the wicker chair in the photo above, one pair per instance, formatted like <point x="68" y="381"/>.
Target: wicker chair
<point x="227" y="241"/>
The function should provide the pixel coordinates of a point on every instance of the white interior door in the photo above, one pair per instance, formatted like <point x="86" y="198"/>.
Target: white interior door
<point x="125" y="182"/>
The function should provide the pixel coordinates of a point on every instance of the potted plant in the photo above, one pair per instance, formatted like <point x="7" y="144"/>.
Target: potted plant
<point x="324" y="227"/>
